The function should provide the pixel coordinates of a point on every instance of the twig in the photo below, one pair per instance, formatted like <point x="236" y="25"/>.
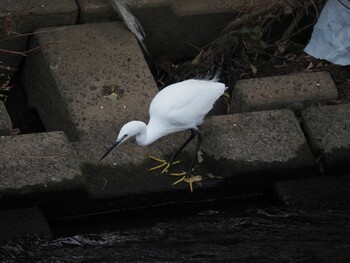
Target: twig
<point x="12" y="52"/>
<point x="24" y="53"/>
<point x="41" y="46"/>
<point x="32" y="33"/>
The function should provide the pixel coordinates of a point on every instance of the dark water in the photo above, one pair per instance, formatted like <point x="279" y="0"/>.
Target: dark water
<point x="249" y="233"/>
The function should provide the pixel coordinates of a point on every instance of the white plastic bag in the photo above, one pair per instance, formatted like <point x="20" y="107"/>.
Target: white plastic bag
<point x="330" y="38"/>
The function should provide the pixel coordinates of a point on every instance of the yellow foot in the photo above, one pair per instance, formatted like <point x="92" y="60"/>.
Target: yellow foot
<point x="188" y="179"/>
<point x="163" y="164"/>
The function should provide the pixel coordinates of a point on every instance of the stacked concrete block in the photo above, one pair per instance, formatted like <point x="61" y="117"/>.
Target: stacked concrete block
<point x="295" y="91"/>
<point x="328" y="131"/>
<point x="37" y="164"/>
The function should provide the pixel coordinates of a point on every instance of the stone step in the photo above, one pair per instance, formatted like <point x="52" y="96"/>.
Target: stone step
<point x="70" y="85"/>
<point x="5" y="121"/>
<point x="254" y="149"/>
<point x="328" y="131"/>
<point x="295" y="91"/>
<point x="15" y="223"/>
<point x="72" y="93"/>
<point x="243" y="154"/>
<point x="330" y="192"/>
<point x="37" y="164"/>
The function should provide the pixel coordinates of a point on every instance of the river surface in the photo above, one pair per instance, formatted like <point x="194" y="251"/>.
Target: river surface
<point x="229" y="232"/>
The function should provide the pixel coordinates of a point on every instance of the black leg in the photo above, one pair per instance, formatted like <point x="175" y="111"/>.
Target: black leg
<point x="193" y="134"/>
<point x="199" y="141"/>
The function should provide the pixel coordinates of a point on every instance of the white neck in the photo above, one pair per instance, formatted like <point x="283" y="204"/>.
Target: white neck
<point x="150" y="133"/>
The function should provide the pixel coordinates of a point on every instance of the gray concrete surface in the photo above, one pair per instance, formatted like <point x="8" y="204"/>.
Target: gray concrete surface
<point x="256" y="148"/>
<point x="295" y="91"/>
<point x="5" y="121"/>
<point x="328" y="131"/>
<point x="71" y="93"/>
<point x="37" y="163"/>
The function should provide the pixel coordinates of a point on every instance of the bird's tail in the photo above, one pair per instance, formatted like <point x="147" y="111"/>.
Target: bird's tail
<point x="217" y="75"/>
<point x="209" y="76"/>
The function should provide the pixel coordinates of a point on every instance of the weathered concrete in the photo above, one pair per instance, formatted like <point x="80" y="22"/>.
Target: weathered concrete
<point x="5" y="121"/>
<point x="25" y="221"/>
<point x="174" y="29"/>
<point x="256" y="148"/>
<point x="243" y="154"/>
<point x="278" y="92"/>
<point x="328" y="131"/>
<point x="69" y="86"/>
<point x="330" y="192"/>
<point x="37" y="163"/>
<point x="92" y="11"/>
<point x="33" y="14"/>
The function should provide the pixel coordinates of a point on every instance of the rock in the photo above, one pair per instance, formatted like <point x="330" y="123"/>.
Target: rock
<point x="328" y="130"/>
<point x="251" y="150"/>
<point x="287" y="91"/>
<point x="35" y="164"/>
<point x="92" y="62"/>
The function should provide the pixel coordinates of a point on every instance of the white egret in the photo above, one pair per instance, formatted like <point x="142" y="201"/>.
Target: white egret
<point x="178" y="107"/>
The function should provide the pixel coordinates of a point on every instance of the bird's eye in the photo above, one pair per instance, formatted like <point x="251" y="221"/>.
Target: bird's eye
<point x="125" y="135"/>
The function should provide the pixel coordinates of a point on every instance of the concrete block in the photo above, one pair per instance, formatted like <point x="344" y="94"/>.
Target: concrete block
<point x="92" y="11"/>
<point x="69" y="85"/>
<point x="33" y="14"/>
<point x="23" y="222"/>
<point x="295" y="91"/>
<point x="5" y="121"/>
<point x="253" y="149"/>
<point x="328" y="131"/>
<point x="330" y="192"/>
<point x="37" y="164"/>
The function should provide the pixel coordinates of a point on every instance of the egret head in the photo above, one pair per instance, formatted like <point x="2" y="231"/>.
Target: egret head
<point x="129" y="130"/>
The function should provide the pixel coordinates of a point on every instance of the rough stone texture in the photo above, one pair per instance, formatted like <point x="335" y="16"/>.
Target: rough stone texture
<point x="256" y="148"/>
<point x="328" y="131"/>
<point x="5" y="121"/>
<point x="26" y="16"/>
<point x="37" y="163"/>
<point x="24" y="221"/>
<point x="96" y="11"/>
<point x="173" y="28"/>
<point x="68" y="84"/>
<point x="331" y="192"/>
<point x="279" y="92"/>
